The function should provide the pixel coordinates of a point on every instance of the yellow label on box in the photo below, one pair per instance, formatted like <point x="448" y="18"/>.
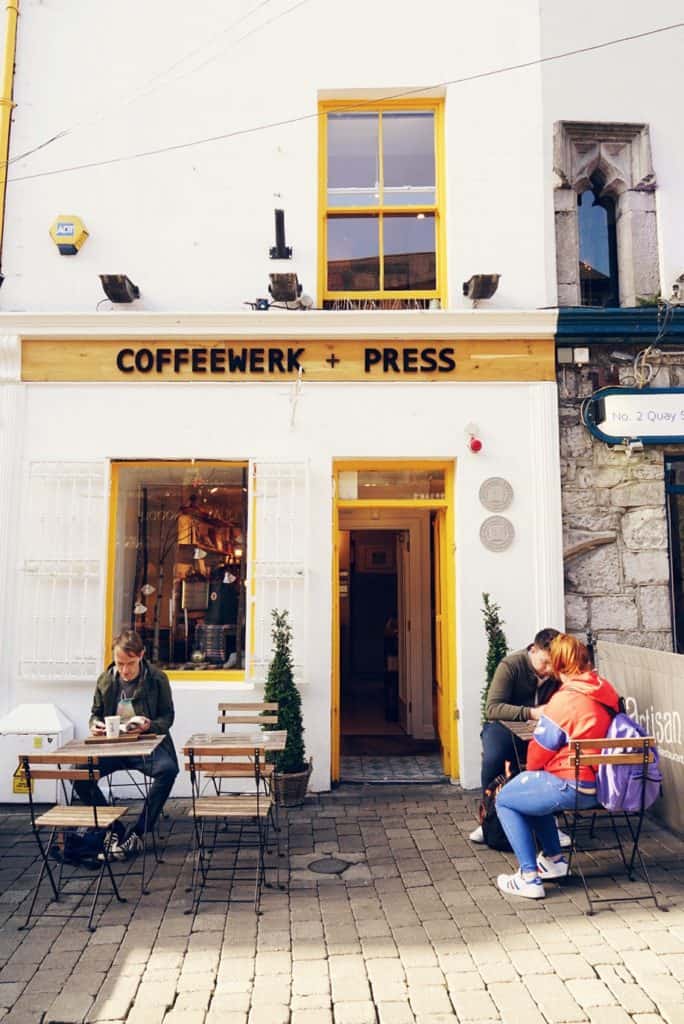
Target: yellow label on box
<point x="38" y="742"/>
<point x="19" y="784"/>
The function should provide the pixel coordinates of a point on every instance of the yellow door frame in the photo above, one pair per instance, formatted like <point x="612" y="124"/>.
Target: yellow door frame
<point x="447" y="627"/>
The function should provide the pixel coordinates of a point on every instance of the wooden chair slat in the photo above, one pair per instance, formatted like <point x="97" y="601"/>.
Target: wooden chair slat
<point x="68" y="774"/>
<point x="231" y="807"/>
<point x="247" y="706"/>
<point x="607" y="742"/>
<point x="597" y="759"/>
<point x="200" y="752"/>
<point x="58" y="758"/>
<point x="248" y="720"/>
<point x="211" y="767"/>
<point x="80" y="817"/>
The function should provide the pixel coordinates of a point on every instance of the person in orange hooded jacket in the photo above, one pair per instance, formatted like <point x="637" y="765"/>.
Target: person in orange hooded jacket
<point x="582" y="708"/>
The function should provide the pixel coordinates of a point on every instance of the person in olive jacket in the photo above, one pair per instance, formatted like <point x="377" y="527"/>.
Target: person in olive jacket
<point x="131" y="687"/>
<point x="521" y="683"/>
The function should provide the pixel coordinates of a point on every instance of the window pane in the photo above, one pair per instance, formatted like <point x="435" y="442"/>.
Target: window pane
<point x="353" y="254"/>
<point x="408" y="142"/>
<point x="180" y="562"/>
<point x="409" y="252"/>
<point x="597" y="250"/>
<point x="383" y="484"/>
<point x="353" y="160"/>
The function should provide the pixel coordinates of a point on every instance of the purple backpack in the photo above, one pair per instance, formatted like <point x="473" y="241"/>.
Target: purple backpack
<point x="618" y="786"/>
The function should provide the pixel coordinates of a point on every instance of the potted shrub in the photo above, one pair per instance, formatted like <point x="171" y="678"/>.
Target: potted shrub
<point x="497" y="647"/>
<point x="292" y="772"/>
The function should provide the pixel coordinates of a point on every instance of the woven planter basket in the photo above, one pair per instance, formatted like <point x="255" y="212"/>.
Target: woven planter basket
<point x="290" y="789"/>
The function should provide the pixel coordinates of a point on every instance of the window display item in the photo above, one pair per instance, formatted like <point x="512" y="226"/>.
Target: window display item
<point x="195" y="594"/>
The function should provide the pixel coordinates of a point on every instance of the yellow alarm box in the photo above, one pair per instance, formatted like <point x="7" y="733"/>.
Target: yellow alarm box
<point x="68" y="233"/>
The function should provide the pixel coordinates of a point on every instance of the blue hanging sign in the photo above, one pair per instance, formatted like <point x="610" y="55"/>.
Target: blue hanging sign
<point x="624" y="415"/>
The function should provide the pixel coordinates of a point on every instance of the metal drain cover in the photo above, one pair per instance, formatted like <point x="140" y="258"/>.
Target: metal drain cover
<point x="329" y="866"/>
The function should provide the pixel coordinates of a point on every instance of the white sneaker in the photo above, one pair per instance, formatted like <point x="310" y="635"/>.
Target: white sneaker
<point x="552" y="868"/>
<point x="124" y="849"/>
<point x="516" y="885"/>
<point x="477" y="835"/>
<point x="564" y="839"/>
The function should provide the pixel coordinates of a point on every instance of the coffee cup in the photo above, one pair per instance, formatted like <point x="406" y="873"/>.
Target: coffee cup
<point x="112" y="725"/>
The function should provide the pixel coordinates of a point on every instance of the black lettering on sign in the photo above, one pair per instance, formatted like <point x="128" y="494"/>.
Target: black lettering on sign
<point x="163" y="358"/>
<point x="237" y="360"/>
<point x="371" y="358"/>
<point x="293" y="356"/>
<point x="120" y="356"/>
<point x="389" y="360"/>
<point x="428" y="362"/>
<point x="181" y="358"/>
<point x="144" y="360"/>
<point x="217" y="360"/>
<point x="446" y="360"/>
<point x="410" y="360"/>
<point x="256" y="360"/>
<point x="275" y="360"/>
<point x="199" y="360"/>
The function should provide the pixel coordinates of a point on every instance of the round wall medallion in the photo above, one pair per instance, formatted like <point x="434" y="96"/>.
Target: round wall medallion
<point x="496" y="494"/>
<point x="497" y="533"/>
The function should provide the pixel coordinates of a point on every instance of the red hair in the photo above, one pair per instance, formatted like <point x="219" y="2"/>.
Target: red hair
<point x="569" y="656"/>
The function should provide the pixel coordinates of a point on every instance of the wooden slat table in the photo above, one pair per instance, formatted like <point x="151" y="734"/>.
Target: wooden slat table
<point x="523" y="731"/>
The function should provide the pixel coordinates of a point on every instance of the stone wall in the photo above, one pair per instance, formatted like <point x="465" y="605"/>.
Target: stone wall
<point x="619" y="589"/>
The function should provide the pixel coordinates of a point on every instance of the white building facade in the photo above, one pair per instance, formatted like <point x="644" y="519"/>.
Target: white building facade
<point x="185" y="463"/>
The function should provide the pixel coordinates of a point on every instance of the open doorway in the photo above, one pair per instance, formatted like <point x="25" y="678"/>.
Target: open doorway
<point x="388" y="684"/>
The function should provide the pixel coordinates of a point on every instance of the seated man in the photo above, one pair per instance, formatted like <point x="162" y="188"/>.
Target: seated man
<point x="521" y="683"/>
<point x="132" y="687"/>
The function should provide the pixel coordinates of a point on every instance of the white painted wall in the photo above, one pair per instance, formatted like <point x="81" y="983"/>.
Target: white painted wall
<point x="192" y="227"/>
<point x="83" y="422"/>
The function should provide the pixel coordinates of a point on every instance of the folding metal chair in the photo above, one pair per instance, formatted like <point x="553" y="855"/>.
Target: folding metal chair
<point x="239" y="766"/>
<point x="634" y="751"/>
<point x="246" y="819"/>
<point x="66" y="819"/>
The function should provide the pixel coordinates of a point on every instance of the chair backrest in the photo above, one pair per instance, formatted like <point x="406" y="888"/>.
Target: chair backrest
<point x="36" y="767"/>
<point x="628" y="763"/>
<point x="55" y="771"/>
<point x="254" y="713"/>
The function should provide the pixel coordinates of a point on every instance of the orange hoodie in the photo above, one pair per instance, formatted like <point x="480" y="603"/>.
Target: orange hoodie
<point x="577" y="711"/>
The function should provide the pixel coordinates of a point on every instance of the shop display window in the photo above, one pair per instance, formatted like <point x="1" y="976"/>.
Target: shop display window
<point x="179" y="535"/>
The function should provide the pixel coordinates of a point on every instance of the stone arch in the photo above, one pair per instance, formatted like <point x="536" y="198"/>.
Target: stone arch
<point x="619" y="156"/>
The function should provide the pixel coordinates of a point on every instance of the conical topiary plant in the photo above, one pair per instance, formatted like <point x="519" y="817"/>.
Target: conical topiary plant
<point x="281" y="689"/>
<point x="497" y="647"/>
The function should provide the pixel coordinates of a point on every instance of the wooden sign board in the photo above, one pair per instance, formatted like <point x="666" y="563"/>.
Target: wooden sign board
<point x="141" y="361"/>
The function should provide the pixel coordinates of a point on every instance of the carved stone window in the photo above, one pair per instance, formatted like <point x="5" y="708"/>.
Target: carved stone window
<point x="613" y="162"/>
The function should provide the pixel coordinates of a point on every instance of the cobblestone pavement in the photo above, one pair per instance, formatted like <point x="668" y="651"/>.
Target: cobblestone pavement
<point x="413" y="930"/>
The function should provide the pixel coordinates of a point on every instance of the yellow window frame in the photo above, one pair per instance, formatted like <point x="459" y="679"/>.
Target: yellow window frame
<point x="437" y="210"/>
<point x="220" y="675"/>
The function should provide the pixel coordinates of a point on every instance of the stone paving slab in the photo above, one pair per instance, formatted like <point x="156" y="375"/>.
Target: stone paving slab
<point x="407" y="928"/>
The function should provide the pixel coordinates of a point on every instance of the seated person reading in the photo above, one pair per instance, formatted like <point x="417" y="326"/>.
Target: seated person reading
<point x="140" y="695"/>
<point x="521" y="684"/>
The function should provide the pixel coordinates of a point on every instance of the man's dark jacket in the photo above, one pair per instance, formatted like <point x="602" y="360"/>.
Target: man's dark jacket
<point x="513" y="689"/>
<point x="151" y="698"/>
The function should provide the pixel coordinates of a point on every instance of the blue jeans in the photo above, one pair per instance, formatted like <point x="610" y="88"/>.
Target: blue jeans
<point x="526" y="807"/>
<point x="498" y="746"/>
<point x="160" y="767"/>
